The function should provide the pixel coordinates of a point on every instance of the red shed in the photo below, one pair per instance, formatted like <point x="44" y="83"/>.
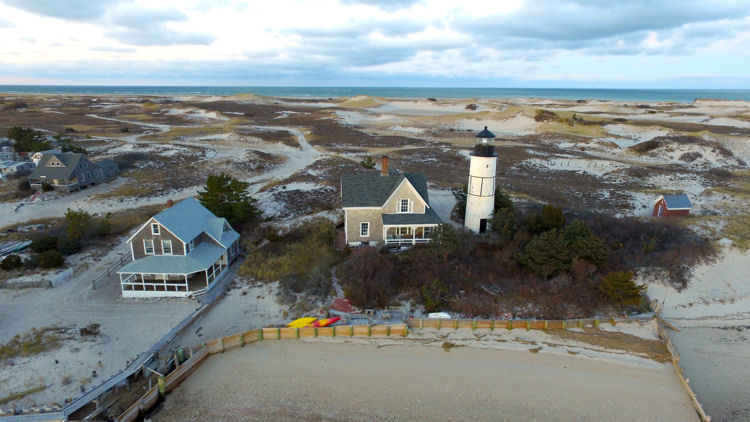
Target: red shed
<point x="672" y="206"/>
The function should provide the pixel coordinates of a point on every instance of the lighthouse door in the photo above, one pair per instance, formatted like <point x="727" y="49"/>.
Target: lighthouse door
<point x="482" y="225"/>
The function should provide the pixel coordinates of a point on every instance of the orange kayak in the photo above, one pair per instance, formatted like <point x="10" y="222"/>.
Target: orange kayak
<point x="324" y="322"/>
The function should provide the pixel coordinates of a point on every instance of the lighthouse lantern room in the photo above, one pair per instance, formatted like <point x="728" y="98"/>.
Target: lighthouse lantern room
<point x="480" y="198"/>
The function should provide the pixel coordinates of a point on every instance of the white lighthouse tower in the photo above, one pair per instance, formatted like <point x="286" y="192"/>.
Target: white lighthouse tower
<point x="480" y="198"/>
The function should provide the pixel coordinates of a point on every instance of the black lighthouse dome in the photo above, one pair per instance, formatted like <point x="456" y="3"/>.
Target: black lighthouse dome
<point x="485" y="145"/>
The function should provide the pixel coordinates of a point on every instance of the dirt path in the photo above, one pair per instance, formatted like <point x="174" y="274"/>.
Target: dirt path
<point x="313" y="380"/>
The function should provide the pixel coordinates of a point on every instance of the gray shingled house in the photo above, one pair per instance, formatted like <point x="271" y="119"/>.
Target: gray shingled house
<point x="69" y="171"/>
<point x="387" y="207"/>
<point x="178" y="252"/>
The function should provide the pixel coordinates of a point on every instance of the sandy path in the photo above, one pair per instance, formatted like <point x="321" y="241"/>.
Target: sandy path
<point x="292" y="380"/>
<point x="713" y="315"/>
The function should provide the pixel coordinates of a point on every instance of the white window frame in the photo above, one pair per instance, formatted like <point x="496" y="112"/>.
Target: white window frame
<point x="404" y="231"/>
<point x="165" y="242"/>
<point x="401" y="206"/>
<point x="426" y="231"/>
<point x="191" y="245"/>
<point x="362" y="225"/>
<point x="155" y="226"/>
<point x="145" y="247"/>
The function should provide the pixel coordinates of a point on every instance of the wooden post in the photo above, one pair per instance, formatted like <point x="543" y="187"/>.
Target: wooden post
<point x="406" y="330"/>
<point x="162" y="389"/>
<point x="181" y="355"/>
<point x="296" y="332"/>
<point x="221" y="341"/>
<point x="474" y="324"/>
<point x="596" y="322"/>
<point x="612" y="321"/>
<point x="510" y="324"/>
<point x="278" y="333"/>
<point x="492" y="325"/>
<point x="528" y="324"/>
<point x="439" y="323"/>
<point x="242" y="340"/>
<point x="176" y="361"/>
<point x="546" y="325"/>
<point x="369" y="331"/>
<point x="420" y="323"/>
<point x="333" y="331"/>
<point x="564" y="324"/>
<point x="351" y="331"/>
<point x="388" y="330"/>
<point x="260" y="334"/>
<point x="580" y="323"/>
<point x="315" y="332"/>
<point x="455" y="324"/>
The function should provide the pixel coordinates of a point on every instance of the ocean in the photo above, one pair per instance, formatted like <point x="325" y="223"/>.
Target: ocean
<point x="645" y="95"/>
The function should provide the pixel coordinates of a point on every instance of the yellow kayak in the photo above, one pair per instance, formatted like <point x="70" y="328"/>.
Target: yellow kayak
<point x="302" y="322"/>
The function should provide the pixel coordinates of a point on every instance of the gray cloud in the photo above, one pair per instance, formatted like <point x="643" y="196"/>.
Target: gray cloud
<point x="148" y="27"/>
<point x="78" y="10"/>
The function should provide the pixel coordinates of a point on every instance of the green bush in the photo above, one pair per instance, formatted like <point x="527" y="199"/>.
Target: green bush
<point x="47" y="187"/>
<point x="50" y="259"/>
<point x="79" y="223"/>
<point x="618" y="287"/>
<point x="31" y="262"/>
<point x="46" y="243"/>
<point x="546" y="254"/>
<point x="102" y="227"/>
<point x="434" y="295"/>
<point x="69" y="245"/>
<point x="10" y="262"/>
<point x="549" y="218"/>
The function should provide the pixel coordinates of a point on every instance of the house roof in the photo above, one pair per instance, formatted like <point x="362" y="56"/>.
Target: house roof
<point x="429" y="217"/>
<point x="485" y="134"/>
<point x="373" y="189"/>
<point x="189" y="218"/>
<point x="202" y="257"/>
<point x="69" y="159"/>
<point x="677" y="202"/>
<point x="108" y="165"/>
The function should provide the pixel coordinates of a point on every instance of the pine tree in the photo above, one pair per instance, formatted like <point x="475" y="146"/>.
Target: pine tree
<point x="619" y="287"/>
<point x="227" y="197"/>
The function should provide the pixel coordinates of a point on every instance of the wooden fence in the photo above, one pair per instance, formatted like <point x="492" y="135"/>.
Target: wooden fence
<point x="196" y="355"/>
<point x="508" y="324"/>
<point x="660" y="324"/>
<point x="122" y="260"/>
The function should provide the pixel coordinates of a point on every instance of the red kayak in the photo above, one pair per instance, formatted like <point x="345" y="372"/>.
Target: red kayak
<point x="324" y="322"/>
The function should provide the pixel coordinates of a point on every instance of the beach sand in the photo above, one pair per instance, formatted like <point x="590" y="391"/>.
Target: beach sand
<point x="316" y="380"/>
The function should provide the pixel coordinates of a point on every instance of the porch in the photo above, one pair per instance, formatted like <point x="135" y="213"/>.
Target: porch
<point x="397" y="235"/>
<point x="151" y="284"/>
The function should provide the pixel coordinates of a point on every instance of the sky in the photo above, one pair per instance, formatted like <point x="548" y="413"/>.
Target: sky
<point x="414" y="43"/>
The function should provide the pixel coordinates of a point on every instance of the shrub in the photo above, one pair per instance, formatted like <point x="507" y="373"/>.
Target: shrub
<point x="24" y="186"/>
<point x="369" y="278"/>
<point x="46" y="187"/>
<point x="50" y="259"/>
<point x="78" y="224"/>
<point x="90" y="330"/>
<point x="31" y="262"/>
<point x="618" y="287"/>
<point x="368" y="162"/>
<point x="69" y="245"/>
<point x="434" y="295"/>
<point x="549" y="218"/>
<point x="546" y="254"/>
<point x="44" y="244"/>
<point x="102" y="227"/>
<point x="10" y="262"/>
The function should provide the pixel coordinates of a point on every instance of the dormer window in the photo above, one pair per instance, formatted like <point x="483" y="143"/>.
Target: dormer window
<point x="190" y="246"/>
<point x="155" y="228"/>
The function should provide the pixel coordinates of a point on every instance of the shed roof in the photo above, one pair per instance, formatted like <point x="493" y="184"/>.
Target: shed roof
<point x="373" y="189"/>
<point x="202" y="257"/>
<point x="677" y="202"/>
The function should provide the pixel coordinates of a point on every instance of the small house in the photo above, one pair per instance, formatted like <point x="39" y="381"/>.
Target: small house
<point x="389" y="207"/>
<point x="15" y="168"/>
<point x="179" y="252"/>
<point x="69" y="171"/>
<point x="672" y="206"/>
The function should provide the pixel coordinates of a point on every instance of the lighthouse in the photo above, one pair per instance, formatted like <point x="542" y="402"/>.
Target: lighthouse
<point x="480" y="198"/>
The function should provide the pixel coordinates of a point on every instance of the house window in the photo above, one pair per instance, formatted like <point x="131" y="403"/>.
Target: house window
<point x="191" y="245"/>
<point x="364" y="229"/>
<point x="166" y="247"/>
<point x="148" y="246"/>
<point x="404" y="205"/>
<point x="404" y="231"/>
<point x="427" y="231"/>
<point x="155" y="228"/>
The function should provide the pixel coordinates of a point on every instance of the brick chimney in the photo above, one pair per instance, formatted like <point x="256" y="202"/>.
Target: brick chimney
<point x="384" y="166"/>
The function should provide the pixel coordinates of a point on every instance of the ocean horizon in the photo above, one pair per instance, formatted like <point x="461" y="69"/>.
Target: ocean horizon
<point x="606" y="94"/>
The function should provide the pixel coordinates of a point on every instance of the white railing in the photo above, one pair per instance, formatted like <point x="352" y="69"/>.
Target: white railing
<point x="407" y="241"/>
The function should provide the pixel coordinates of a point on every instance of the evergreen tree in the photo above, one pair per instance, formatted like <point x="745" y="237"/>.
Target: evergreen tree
<point x="584" y="244"/>
<point x="546" y="254"/>
<point x="619" y="287"/>
<point x="28" y="140"/>
<point x="227" y="197"/>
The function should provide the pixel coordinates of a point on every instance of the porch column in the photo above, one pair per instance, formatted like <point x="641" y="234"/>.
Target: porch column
<point x="413" y="236"/>
<point x="187" y="289"/>
<point x="206" y="277"/>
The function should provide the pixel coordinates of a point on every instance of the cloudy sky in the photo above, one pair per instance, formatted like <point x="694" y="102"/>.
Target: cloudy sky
<point x="466" y="43"/>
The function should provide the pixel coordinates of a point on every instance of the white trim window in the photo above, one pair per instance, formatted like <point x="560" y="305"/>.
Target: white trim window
<point x="155" y="228"/>
<point x="148" y="246"/>
<point x="404" y="205"/>
<point x="364" y="229"/>
<point x="427" y="231"/>
<point x="166" y="247"/>
<point x="190" y="246"/>
<point x="404" y="231"/>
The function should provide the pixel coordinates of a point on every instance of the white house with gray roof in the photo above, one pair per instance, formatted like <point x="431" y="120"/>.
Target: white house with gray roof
<point x="181" y="251"/>
<point x="69" y="171"/>
<point x="387" y="207"/>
